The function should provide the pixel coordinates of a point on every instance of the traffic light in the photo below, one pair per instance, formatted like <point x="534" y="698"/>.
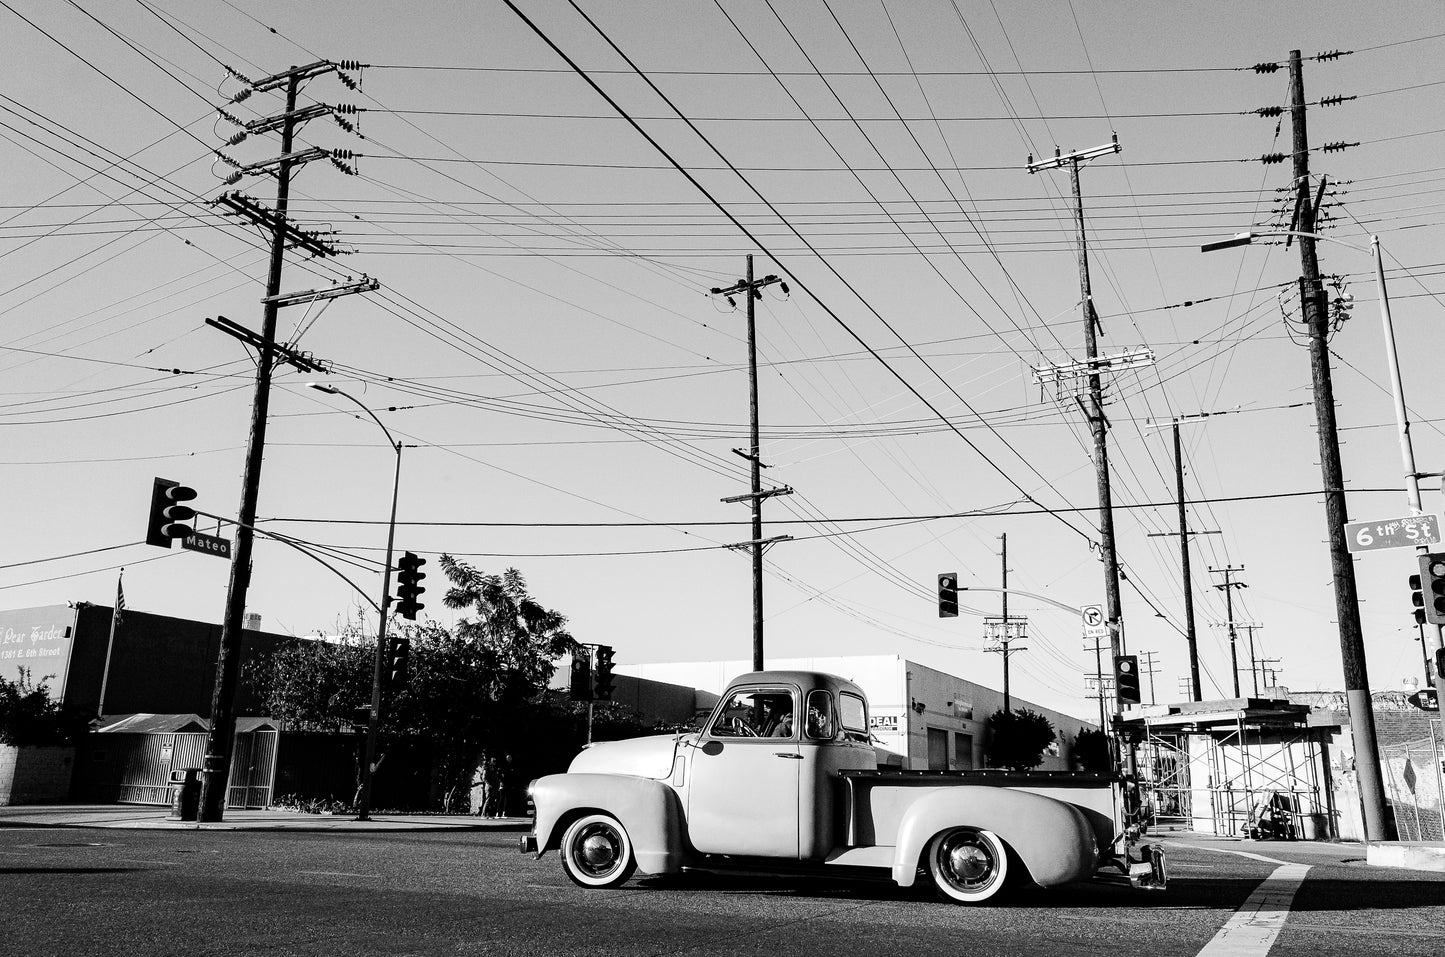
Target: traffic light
<point x="396" y="661"/>
<point x="408" y="587"/>
<point x="168" y="517"/>
<point x="1417" y="599"/>
<point x="1126" y="678"/>
<point x="1432" y="579"/>
<point x="948" y="595"/>
<point x="602" y="682"/>
<point x="580" y="687"/>
<point x="1440" y="662"/>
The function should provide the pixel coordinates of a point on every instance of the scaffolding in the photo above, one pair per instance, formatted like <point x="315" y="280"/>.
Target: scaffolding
<point x="1241" y="767"/>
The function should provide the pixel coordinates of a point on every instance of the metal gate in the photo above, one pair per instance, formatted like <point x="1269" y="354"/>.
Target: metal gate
<point x="1415" y="780"/>
<point x="135" y="768"/>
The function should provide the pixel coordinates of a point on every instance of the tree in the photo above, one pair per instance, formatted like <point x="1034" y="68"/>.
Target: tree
<point x="1017" y="739"/>
<point x="30" y="718"/>
<point x="1091" y="751"/>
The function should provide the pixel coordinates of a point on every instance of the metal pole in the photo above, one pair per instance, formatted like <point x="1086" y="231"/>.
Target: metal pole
<point x="217" y="762"/>
<point x="378" y="669"/>
<point x="1347" y="599"/>
<point x="1407" y="453"/>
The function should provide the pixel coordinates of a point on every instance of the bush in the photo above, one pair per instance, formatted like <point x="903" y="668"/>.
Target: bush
<point x="1091" y="751"/>
<point x="29" y="718"/>
<point x="1017" y="739"/>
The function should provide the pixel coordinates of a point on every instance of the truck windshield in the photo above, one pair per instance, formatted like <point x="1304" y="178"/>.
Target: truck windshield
<point x="755" y="713"/>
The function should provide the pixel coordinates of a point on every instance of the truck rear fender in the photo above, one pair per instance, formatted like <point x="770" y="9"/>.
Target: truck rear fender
<point x="648" y="809"/>
<point x="1052" y="839"/>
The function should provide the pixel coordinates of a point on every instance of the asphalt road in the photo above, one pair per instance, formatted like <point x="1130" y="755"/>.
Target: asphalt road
<point x="80" y="891"/>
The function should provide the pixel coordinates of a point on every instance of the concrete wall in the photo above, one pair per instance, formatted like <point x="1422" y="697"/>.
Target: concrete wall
<point x="35" y="775"/>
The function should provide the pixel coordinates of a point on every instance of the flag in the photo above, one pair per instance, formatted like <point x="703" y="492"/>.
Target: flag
<point x="119" y="597"/>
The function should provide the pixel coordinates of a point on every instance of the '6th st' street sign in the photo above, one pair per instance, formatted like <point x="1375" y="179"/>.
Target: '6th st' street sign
<point x="1406" y="532"/>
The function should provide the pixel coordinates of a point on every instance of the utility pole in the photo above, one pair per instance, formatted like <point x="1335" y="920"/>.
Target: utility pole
<point x="1228" y="586"/>
<point x="1094" y="412"/>
<point x="217" y="760"/>
<point x="1251" y="627"/>
<point x="1000" y="632"/>
<point x="1271" y="675"/>
<point x="1185" y="686"/>
<point x="1151" y="671"/>
<point x="1186" y="577"/>
<point x="752" y="290"/>
<point x="1347" y="602"/>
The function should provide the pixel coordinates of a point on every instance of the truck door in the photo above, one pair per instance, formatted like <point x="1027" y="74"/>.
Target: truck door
<point x="743" y="790"/>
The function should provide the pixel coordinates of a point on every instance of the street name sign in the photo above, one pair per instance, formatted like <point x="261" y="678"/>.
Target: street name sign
<point x="209" y="544"/>
<point x="1407" y="532"/>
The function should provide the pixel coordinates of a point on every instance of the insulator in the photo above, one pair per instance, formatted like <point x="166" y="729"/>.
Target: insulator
<point x="1333" y="55"/>
<point x="236" y="73"/>
<point x="1270" y="158"/>
<point x="231" y="180"/>
<point x="346" y="109"/>
<point x="342" y="154"/>
<point x="344" y="124"/>
<point x="347" y="81"/>
<point x="236" y="139"/>
<point x="1336" y="146"/>
<point x="348" y="65"/>
<point x="1335" y="100"/>
<point x="234" y="119"/>
<point x="1265" y="68"/>
<point x="1268" y="111"/>
<point x="226" y="159"/>
<point x="241" y="96"/>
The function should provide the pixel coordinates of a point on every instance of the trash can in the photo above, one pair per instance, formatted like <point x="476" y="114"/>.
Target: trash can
<point x="185" y="794"/>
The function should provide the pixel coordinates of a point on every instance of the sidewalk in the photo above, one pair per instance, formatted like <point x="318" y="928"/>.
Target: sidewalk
<point x="138" y="816"/>
<point x="1408" y="855"/>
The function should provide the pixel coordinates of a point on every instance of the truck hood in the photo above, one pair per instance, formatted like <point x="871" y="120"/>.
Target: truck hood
<point x="649" y="757"/>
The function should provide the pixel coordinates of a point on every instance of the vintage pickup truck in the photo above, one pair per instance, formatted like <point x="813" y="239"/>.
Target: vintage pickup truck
<point x="783" y="778"/>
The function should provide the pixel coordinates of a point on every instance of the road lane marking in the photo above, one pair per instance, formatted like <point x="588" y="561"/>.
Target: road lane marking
<point x="1252" y="931"/>
<point x="1230" y="850"/>
<point x="334" y="874"/>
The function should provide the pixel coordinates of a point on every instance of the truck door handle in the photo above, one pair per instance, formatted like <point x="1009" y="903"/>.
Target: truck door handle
<point x="787" y="754"/>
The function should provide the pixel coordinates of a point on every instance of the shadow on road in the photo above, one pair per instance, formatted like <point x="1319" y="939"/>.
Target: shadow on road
<point x="1189" y="893"/>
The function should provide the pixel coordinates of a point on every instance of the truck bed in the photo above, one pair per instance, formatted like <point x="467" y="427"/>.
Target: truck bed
<point x="874" y="801"/>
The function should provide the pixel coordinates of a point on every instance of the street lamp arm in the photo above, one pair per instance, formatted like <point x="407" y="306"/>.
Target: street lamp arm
<point x="1245" y="238"/>
<point x="323" y="387"/>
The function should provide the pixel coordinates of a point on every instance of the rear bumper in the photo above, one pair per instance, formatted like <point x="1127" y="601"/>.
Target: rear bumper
<point x="527" y="843"/>
<point x="1150" y="872"/>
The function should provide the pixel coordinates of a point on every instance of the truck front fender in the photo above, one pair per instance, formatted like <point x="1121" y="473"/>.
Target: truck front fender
<point x="1052" y="839"/>
<point x="648" y="809"/>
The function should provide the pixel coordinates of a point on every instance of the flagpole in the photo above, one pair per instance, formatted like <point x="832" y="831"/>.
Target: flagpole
<point x="110" y="643"/>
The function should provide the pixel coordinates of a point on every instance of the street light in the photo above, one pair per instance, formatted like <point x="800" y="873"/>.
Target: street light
<point x="363" y="809"/>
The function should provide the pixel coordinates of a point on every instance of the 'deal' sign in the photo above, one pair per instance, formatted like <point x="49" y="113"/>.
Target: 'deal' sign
<point x="1407" y="532"/>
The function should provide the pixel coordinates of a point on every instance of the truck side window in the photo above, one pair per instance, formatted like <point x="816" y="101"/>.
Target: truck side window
<point x="822" y="723"/>
<point x="853" y="716"/>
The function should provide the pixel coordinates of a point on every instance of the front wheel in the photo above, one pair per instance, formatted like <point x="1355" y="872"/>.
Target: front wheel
<point x="968" y="865"/>
<point x="596" y="852"/>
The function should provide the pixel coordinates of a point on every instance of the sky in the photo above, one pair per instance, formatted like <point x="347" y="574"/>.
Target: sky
<point x="569" y="396"/>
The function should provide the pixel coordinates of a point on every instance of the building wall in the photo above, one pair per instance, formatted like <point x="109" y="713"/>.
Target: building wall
<point x="158" y="664"/>
<point x="35" y="775"/>
<point x="906" y="701"/>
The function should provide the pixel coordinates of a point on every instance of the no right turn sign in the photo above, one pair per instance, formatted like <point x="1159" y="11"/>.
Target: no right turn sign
<point x="1095" y="625"/>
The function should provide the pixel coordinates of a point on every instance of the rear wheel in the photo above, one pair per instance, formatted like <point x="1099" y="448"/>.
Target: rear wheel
<point x="968" y="865"/>
<point x="596" y="852"/>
